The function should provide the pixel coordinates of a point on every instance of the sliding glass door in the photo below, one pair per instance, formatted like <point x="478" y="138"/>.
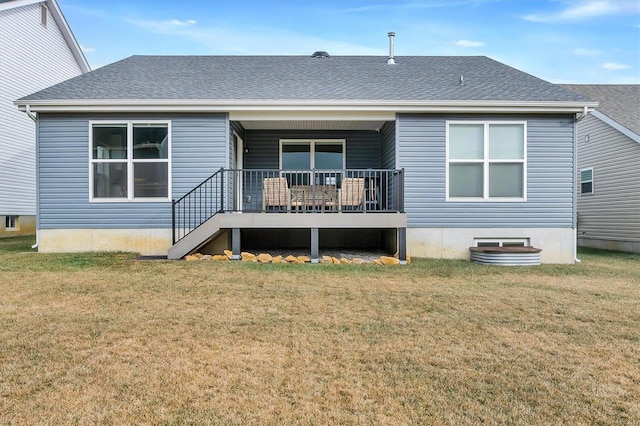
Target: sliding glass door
<point x="300" y="156"/>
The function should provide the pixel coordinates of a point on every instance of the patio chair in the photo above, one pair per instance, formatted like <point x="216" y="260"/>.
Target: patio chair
<point x="351" y="193"/>
<point x="275" y="193"/>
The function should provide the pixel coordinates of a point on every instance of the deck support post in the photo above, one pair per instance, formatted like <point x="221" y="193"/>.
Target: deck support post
<point x="314" y="245"/>
<point x="402" y="245"/>
<point x="235" y="243"/>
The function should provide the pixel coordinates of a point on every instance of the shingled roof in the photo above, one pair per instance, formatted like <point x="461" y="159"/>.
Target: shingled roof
<point x="620" y="102"/>
<point x="358" y="78"/>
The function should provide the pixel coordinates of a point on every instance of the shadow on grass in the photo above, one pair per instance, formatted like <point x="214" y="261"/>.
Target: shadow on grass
<point x="16" y="254"/>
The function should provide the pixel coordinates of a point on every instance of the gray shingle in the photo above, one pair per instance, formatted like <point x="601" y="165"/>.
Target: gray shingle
<point x="429" y="78"/>
<point x="620" y="102"/>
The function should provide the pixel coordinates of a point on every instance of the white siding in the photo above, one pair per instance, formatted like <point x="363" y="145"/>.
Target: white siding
<point x="32" y="57"/>
<point x="612" y="212"/>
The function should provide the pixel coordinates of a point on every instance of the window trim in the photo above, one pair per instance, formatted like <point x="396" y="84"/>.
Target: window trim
<point x="592" y="181"/>
<point x="130" y="161"/>
<point x="486" y="162"/>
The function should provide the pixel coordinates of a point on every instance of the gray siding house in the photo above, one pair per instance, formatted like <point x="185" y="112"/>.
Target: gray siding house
<point x="609" y="168"/>
<point x="37" y="50"/>
<point x="427" y="156"/>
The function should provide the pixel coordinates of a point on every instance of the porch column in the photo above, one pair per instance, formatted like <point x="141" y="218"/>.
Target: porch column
<point x="235" y="243"/>
<point x="314" y="245"/>
<point x="402" y="245"/>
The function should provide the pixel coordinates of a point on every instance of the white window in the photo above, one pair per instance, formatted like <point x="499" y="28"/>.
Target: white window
<point x="130" y="161"/>
<point x="11" y="223"/>
<point x="486" y="161"/>
<point x="501" y="242"/>
<point x="586" y="181"/>
<point x="43" y="15"/>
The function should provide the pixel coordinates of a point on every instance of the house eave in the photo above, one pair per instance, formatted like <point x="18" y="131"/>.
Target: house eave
<point x="63" y="26"/>
<point x="310" y="106"/>
<point x="619" y="127"/>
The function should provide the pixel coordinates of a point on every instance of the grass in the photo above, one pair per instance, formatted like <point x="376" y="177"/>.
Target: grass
<point x="101" y="338"/>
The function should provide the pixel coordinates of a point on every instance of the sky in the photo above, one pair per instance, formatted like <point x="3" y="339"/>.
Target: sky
<point x="561" y="41"/>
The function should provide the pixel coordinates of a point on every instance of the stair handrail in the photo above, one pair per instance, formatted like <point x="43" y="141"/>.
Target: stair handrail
<point x="216" y="206"/>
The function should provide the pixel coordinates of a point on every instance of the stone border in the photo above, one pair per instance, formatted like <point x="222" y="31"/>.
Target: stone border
<point x="267" y="258"/>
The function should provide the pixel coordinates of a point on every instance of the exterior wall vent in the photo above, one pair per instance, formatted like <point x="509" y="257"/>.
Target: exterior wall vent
<point x="320" y="54"/>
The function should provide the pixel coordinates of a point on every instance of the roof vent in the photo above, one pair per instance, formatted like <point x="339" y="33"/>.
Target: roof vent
<point x="320" y="54"/>
<point x="392" y="59"/>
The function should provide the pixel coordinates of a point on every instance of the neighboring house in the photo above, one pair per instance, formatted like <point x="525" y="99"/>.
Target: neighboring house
<point x="609" y="168"/>
<point x="430" y="155"/>
<point x="37" y="50"/>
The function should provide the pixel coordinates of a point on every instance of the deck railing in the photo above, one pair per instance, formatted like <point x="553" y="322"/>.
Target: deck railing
<point x="289" y="191"/>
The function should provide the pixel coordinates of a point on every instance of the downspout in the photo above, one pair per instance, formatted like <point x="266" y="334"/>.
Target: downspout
<point x="575" y="183"/>
<point x="581" y="116"/>
<point x="32" y="116"/>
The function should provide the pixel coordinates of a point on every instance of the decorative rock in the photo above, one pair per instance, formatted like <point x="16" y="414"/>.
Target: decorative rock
<point x="335" y="260"/>
<point x="377" y="262"/>
<point x="387" y="260"/>
<point x="345" y="261"/>
<point x="357" y="261"/>
<point x="206" y="257"/>
<point x="265" y="258"/>
<point x="229" y="254"/>
<point x="304" y="259"/>
<point x="248" y="257"/>
<point x="291" y="259"/>
<point x="218" y="257"/>
<point x="198" y="255"/>
<point x="326" y="259"/>
<point x="276" y="259"/>
<point x="191" y="258"/>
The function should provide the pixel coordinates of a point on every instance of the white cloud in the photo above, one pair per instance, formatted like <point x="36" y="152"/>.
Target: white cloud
<point x="585" y="9"/>
<point x="178" y="23"/>
<point x="581" y="51"/>
<point x="469" y="43"/>
<point x="615" y="66"/>
<point x="87" y="49"/>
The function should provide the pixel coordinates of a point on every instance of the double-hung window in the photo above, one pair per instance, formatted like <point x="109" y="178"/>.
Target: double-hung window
<point x="486" y="161"/>
<point x="586" y="181"/>
<point x="130" y="161"/>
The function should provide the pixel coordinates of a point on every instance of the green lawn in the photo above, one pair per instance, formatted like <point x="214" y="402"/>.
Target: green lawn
<point x="102" y="338"/>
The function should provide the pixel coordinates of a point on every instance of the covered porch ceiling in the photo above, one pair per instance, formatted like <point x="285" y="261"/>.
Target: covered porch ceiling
<point x="312" y="120"/>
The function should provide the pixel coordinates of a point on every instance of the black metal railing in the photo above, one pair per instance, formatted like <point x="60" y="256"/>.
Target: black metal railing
<point x="198" y="205"/>
<point x="289" y="191"/>
<point x="315" y="191"/>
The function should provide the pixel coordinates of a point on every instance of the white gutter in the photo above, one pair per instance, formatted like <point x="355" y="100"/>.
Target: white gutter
<point x="396" y="106"/>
